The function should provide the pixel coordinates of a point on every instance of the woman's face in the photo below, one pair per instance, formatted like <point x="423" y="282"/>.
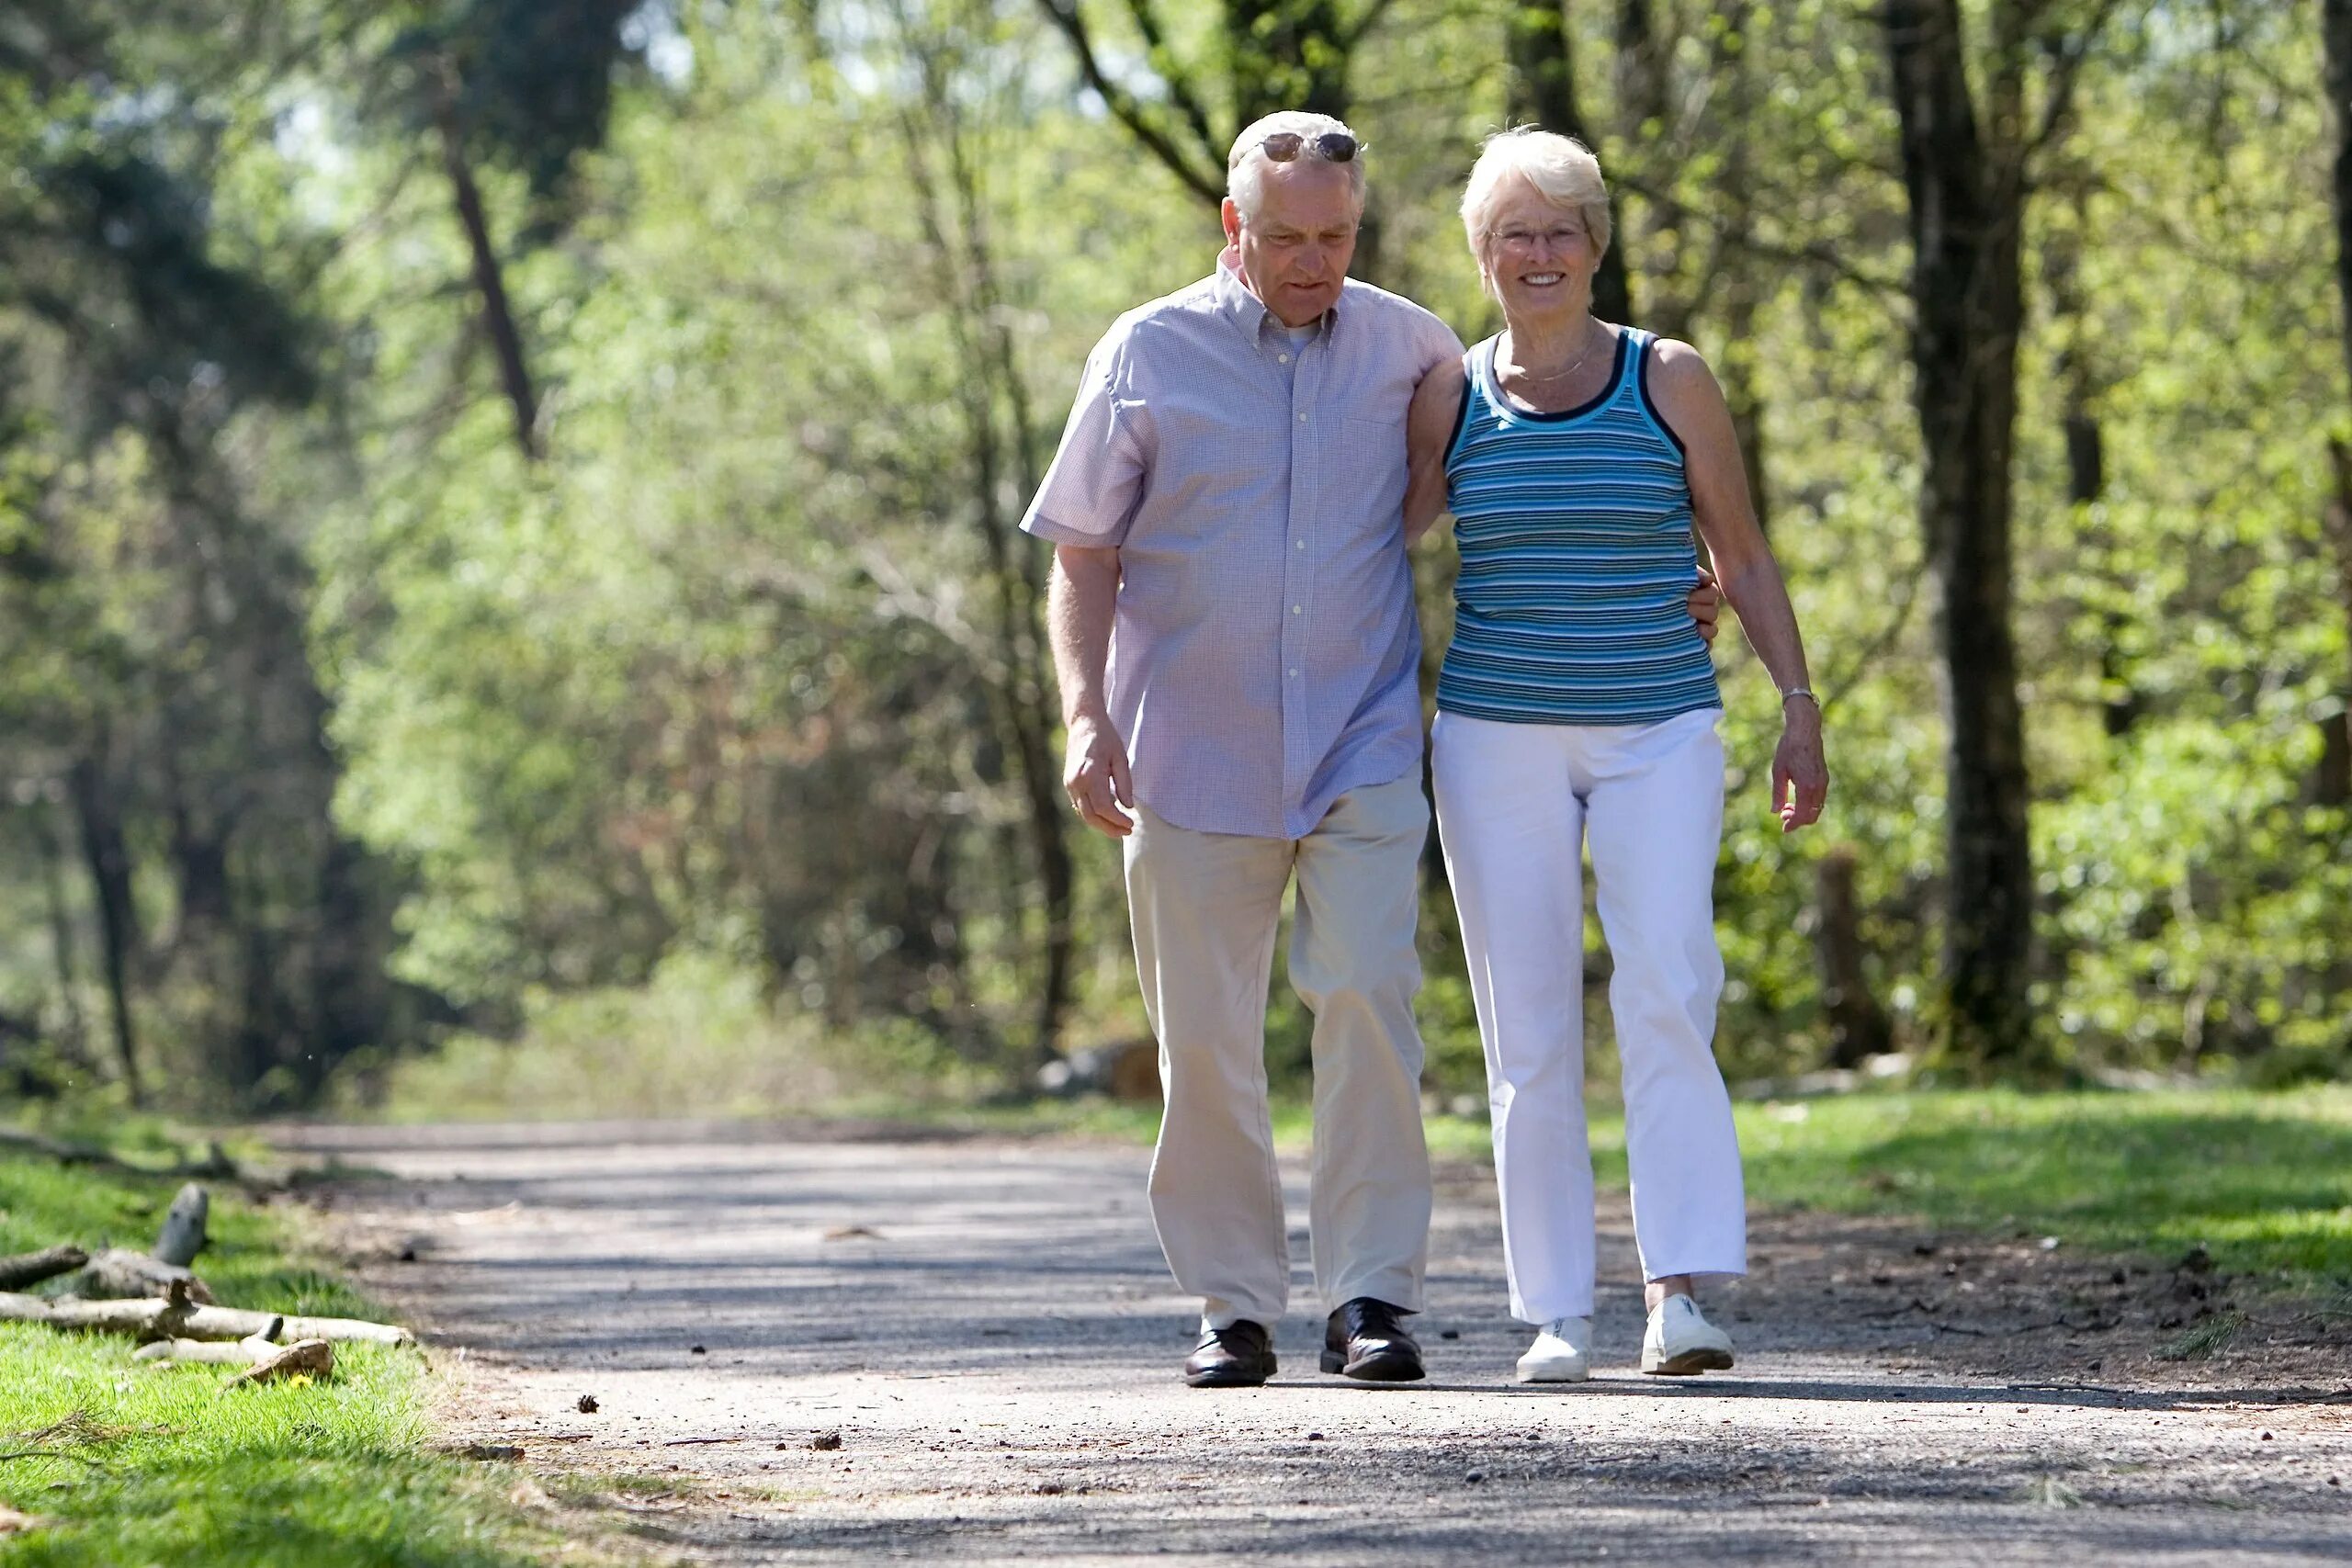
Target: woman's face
<point x="1538" y="254"/>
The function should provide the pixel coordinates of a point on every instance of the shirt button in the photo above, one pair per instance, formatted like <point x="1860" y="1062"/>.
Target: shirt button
<point x="1298" y="545"/>
<point x="1298" y="609"/>
<point x="1301" y="419"/>
<point x="1294" y="674"/>
<point x="1281" y="359"/>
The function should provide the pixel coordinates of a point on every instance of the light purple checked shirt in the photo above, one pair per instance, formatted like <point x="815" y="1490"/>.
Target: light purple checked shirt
<point x="1264" y="652"/>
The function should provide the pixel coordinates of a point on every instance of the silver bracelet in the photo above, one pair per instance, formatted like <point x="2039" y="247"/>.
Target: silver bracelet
<point x="1805" y="691"/>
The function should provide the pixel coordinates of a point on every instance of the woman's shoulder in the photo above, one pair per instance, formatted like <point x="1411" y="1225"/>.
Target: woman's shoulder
<point x="1671" y="361"/>
<point x="1675" y="375"/>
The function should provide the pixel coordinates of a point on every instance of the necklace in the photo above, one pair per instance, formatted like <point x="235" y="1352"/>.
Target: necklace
<point x="1529" y="377"/>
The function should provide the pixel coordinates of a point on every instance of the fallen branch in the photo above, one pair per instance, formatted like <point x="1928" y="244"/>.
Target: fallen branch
<point x="47" y="1453"/>
<point x="118" y="1272"/>
<point x="243" y="1352"/>
<point x="57" y="1149"/>
<point x="32" y="1268"/>
<point x="177" y="1318"/>
<point x="216" y="1161"/>
<point x="314" y="1357"/>
<point x="205" y="1352"/>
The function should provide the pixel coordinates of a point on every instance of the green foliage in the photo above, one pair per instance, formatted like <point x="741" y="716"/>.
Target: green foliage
<point x="409" y="737"/>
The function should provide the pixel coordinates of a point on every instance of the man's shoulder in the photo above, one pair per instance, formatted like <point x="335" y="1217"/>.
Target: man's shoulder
<point x="1180" y="310"/>
<point x="1370" y="299"/>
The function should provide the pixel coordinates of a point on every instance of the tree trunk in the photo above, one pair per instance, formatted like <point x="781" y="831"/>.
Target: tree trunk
<point x="1645" y="110"/>
<point x="1741" y="291"/>
<point x="490" y="282"/>
<point x="2334" y="785"/>
<point x="1543" y="91"/>
<point x="60" y="930"/>
<point x="1967" y="295"/>
<point x="2086" y="450"/>
<point x="107" y="857"/>
<point x="2336" y="25"/>
<point x="954" y="222"/>
<point x="1857" y="1025"/>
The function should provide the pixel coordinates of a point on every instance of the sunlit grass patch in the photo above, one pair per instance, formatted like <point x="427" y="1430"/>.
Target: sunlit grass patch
<point x="133" y="1463"/>
<point x="2262" y="1179"/>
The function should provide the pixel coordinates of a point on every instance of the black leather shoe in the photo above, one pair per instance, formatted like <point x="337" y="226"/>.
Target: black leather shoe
<point x="1366" y="1339"/>
<point x="1239" y="1357"/>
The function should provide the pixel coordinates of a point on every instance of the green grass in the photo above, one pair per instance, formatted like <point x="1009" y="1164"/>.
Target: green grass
<point x="2262" y="1179"/>
<point x="144" y="1465"/>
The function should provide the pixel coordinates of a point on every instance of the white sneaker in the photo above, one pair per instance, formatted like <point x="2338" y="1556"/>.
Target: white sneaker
<point x="1679" y="1342"/>
<point x="1562" y="1352"/>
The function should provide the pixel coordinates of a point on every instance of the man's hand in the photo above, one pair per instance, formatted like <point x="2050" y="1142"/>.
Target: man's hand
<point x="1095" y="776"/>
<point x="1799" y="775"/>
<point x="1707" y="603"/>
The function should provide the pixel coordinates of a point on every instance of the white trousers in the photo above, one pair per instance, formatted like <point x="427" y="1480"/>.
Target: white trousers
<point x="1205" y="906"/>
<point x="1516" y="803"/>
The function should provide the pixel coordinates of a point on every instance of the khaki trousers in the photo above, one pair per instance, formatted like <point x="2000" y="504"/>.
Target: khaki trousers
<point x="1204" y="907"/>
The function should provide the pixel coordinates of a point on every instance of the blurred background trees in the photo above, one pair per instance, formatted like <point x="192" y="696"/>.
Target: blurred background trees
<point x="507" y="514"/>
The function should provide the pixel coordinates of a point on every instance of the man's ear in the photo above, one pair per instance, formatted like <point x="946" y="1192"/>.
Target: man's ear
<point x="1232" y="222"/>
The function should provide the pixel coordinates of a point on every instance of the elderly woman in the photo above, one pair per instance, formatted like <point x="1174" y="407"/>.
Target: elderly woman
<point x="1577" y="707"/>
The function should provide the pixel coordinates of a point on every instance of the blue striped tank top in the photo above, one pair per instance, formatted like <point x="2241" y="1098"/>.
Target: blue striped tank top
<point x="1573" y="532"/>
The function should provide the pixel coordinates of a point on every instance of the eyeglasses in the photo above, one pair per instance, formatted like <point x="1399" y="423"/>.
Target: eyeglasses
<point x="1331" y="146"/>
<point x="1523" y="239"/>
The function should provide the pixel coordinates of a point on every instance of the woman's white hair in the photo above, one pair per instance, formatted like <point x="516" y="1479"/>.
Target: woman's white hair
<point x="1246" y="165"/>
<point x="1562" y="169"/>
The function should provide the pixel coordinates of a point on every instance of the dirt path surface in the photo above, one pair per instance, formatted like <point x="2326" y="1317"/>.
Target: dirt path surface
<point x="988" y="1328"/>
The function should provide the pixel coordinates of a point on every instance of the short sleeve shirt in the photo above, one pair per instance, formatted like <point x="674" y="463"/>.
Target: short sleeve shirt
<point x="1264" y="650"/>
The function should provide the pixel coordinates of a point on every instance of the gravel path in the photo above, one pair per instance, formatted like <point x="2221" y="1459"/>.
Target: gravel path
<point x="987" y="1327"/>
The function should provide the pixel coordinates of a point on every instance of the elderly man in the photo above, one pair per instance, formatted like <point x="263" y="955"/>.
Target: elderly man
<point x="1233" y="627"/>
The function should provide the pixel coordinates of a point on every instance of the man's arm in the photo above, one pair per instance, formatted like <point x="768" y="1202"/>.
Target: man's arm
<point x="1081" y="593"/>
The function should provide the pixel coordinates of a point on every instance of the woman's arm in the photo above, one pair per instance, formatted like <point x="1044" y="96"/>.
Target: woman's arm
<point x="1429" y="430"/>
<point x="1694" y="408"/>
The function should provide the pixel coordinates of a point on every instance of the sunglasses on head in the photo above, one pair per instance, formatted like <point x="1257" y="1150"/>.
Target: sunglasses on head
<point x="1331" y="146"/>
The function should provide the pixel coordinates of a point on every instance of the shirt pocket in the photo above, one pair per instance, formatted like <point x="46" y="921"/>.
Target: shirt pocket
<point x="1369" y="463"/>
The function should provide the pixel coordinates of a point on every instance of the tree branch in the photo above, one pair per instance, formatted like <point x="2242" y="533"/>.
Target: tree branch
<point x="1123" y="104"/>
<point x="1179" y="90"/>
<point x="2069" y="55"/>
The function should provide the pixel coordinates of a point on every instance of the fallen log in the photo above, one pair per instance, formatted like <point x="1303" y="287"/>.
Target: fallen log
<point x="315" y="1357"/>
<point x="58" y="1149"/>
<point x="183" y="1235"/>
<point x="177" y="1318"/>
<point x="32" y="1268"/>
<point x="118" y="1272"/>
<point x="207" y="1352"/>
<point x="216" y="1162"/>
<point x="214" y="1352"/>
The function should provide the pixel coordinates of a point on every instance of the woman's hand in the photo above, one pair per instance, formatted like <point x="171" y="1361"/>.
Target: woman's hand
<point x="1799" y="772"/>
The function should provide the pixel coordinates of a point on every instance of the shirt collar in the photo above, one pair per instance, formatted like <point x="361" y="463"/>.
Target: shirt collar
<point x="1249" y="313"/>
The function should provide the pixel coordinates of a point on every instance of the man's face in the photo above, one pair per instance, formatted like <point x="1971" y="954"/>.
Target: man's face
<point x="1296" y="247"/>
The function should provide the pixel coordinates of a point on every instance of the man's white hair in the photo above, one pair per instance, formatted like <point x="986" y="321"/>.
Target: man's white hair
<point x="1246" y="165"/>
<point x="1562" y="169"/>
